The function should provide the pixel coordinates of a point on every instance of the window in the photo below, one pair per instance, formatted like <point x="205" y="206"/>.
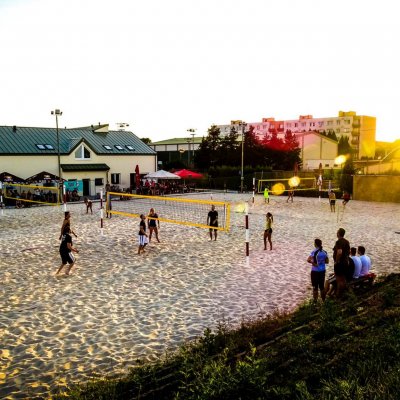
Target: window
<point x="82" y="153"/>
<point x="329" y="123"/>
<point x="98" y="181"/>
<point x="303" y="124"/>
<point x="107" y="147"/>
<point x="338" y="122"/>
<point x="49" y="147"/>
<point x="326" y="165"/>
<point x="118" y="147"/>
<point x="289" y="125"/>
<point x="296" y="125"/>
<point x="115" y="179"/>
<point x="41" y="147"/>
<point x="129" y="147"/>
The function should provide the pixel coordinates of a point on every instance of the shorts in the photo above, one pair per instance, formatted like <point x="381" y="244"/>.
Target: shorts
<point x="318" y="280"/>
<point x="67" y="258"/>
<point x="143" y="240"/>
<point x="340" y="268"/>
<point x="216" y="226"/>
<point x="268" y="230"/>
<point x="332" y="202"/>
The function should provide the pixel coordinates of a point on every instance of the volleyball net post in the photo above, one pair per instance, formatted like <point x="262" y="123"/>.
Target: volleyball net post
<point x="181" y="211"/>
<point x="1" y="198"/>
<point x="64" y="194"/>
<point x="101" y="213"/>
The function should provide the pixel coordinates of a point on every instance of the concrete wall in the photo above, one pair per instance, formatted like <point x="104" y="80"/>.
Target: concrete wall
<point x="384" y="188"/>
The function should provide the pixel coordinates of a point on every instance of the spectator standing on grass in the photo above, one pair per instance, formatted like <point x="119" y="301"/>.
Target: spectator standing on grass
<point x="341" y="253"/>
<point x="365" y="261"/>
<point x="318" y="259"/>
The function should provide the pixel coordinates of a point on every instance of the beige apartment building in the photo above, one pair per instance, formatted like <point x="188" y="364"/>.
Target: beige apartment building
<point x="360" y="129"/>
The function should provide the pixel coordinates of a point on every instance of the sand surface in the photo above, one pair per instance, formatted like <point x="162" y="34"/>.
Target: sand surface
<point x="118" y="307"/>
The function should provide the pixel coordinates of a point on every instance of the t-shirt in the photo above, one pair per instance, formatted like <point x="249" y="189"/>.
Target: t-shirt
<point x="213" y="216"/>
<point x="142" y="225"/>
<point x="365" y="265"/>
<point x="321" y="256"/>
<point x="357" y="266"/>
<point x="344" y="245"/>
<point x="65" y="239"/>
<point x="341" y="265"/>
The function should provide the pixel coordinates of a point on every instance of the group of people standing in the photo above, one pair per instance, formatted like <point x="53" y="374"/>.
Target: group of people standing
<point x="350" y="263"/>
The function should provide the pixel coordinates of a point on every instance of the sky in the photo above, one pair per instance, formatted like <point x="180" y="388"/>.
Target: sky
<point x="164" y="67"/>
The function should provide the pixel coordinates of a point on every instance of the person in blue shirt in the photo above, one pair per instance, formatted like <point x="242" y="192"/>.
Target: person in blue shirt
<point x="318" y="258"/>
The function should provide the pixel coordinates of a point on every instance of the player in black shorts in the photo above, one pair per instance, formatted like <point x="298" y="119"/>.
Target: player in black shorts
<point x="66" y="250"/>
<point x="212" y="220"/>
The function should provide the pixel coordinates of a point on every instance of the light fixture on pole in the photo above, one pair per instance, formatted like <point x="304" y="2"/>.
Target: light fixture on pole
<point x="243" y="124"/>
<point x="193" y="130"/>
<point x="57" y="113"/>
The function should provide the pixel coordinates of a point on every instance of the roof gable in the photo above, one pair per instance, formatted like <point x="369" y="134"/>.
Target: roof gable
<point x="24" y="140"/>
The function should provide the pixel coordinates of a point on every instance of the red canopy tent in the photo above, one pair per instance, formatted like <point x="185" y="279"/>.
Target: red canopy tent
<point x="187" y="174"/>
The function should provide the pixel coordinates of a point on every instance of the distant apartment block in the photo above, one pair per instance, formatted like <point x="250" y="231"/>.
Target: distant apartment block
<point x="360" y="129"/>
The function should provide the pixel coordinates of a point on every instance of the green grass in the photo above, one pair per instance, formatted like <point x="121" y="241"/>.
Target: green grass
<point x="348" y="349"/>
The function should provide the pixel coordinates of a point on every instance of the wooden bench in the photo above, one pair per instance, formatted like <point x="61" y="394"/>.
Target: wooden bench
<point x="366" y="280"/>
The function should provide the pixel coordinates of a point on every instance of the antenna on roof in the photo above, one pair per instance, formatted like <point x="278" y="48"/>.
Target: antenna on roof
<point x="122" y="125"/>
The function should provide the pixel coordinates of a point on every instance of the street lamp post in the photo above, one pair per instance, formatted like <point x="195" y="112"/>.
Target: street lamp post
<point x="192" y="130"/>
<point x="243" y="124"/>
<point x="57" y="113"/>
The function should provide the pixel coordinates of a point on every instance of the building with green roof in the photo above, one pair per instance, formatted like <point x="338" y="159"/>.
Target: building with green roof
<point x="91" y="156"/>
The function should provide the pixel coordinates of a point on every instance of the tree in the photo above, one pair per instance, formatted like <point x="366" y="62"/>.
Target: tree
<point x="146" y="140"/>
<point x="207" y="153"/>
<point x="229" y="146"/>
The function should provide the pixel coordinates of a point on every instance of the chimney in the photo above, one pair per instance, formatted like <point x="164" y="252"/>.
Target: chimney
<point x="14" y="128"/>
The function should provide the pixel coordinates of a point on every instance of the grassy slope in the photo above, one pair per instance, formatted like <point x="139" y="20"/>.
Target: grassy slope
<point x="347" y="349"/>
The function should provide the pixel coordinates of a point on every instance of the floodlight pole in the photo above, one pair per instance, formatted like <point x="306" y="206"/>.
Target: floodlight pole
<point x="57" y="112"/>
<point x="241" y="173"/>
<point x="191" y="130"/>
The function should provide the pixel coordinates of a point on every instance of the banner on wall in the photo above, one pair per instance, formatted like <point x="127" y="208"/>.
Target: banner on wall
<point x="75" y="184"/>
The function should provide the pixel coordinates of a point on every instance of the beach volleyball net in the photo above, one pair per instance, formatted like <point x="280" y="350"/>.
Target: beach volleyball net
<point x="19" y="194"/>
<point x="279" y="186"/>
<point x="182" y="211"/>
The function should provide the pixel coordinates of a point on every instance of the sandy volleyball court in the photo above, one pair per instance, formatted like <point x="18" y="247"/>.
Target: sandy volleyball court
<point x="118" y="307"/>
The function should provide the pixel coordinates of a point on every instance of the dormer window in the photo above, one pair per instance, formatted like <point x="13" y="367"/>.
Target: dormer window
<point x="82" y="153"/>
<point x="107" y="147"/>
<point x="49" y="147"/>
<point x="41" y="146"/>
<point x="118" y="147"/>
<point x="129" y="147"/>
